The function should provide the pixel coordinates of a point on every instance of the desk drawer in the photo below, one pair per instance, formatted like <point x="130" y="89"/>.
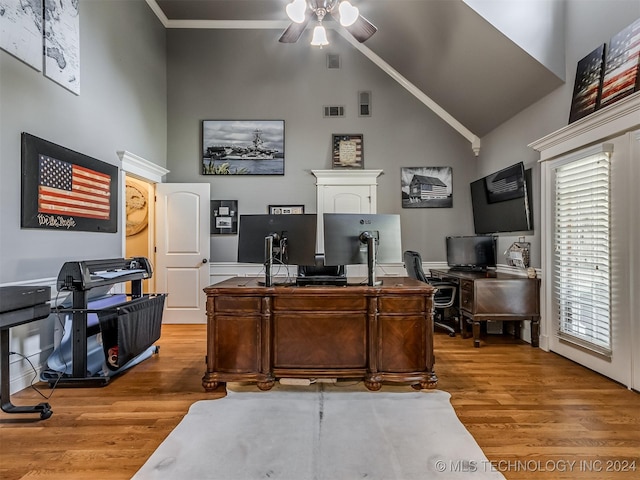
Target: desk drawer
<point x="230" y="304"/>
<point x="333" y="303"/>
<point x="466" y="294"/>
<point x="408" y="304"/>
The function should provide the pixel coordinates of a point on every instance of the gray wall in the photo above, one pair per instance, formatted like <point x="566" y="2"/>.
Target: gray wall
<point x="247" y="74"/>
<point x="121" y="106"/>
<point x="589" y="23"/>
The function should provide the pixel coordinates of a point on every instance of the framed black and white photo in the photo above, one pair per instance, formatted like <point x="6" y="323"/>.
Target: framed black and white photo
<point x="66" y="190"/>
<point x="427" y="187"/>
<point x="243" y="147"/>
<point x="224" y="217"/>
<point x="286" y="209"/>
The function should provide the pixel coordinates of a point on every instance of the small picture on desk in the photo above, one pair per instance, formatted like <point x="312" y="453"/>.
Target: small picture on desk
<point x="427" y="187"/>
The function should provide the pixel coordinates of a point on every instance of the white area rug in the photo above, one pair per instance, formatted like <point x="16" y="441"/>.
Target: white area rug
<point x="320" y="432"/>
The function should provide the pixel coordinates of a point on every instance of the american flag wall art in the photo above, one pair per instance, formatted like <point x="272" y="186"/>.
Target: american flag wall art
<point x="622" y="67"/>
<point x="66" y="190"/>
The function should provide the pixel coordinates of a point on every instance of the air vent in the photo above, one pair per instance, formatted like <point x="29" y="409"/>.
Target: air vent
<point x="333" y="111"/>
<point x="333" y="60"/>
<point x="364" y="104"/>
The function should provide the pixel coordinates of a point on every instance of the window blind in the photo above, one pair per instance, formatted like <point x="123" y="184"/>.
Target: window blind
<point x="582" y="260"/>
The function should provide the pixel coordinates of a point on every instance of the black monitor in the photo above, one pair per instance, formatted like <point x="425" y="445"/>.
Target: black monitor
<point x="476" y="252"/>
<point x="285" y="239"/>
<point x="355" y="238"/>
<point x="501" y="202"/>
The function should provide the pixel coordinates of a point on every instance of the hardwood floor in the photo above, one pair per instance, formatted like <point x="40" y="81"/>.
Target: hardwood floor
<point x="533" y="413"/>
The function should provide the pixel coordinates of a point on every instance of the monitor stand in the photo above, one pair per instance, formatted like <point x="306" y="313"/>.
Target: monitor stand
<point x="268" y="260"/>
<point x="372" y="253"/>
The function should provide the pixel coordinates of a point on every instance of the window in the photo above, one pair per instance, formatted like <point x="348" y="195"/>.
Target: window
<point x="581" y="276"/>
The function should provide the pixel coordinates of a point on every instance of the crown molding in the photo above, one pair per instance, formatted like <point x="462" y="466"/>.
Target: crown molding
<point x="613" y="120"/>
<point x="346" y="177"/>
<point x="141" y="168"/>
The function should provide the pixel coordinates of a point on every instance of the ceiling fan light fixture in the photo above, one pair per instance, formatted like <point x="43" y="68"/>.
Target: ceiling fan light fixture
<point x="319" y="37"/>
<point x="296" y="9"/>
<point x="348" y="13"/>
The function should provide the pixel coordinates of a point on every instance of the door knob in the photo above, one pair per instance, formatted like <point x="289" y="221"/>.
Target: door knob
<point x="204" y="260"/>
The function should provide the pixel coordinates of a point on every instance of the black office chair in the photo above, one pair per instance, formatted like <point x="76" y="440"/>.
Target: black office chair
<point x="445" y="295"/>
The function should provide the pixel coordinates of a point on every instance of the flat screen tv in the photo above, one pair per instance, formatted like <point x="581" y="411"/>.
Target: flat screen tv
<point x="293" y="236"/>
<point x="354" y="238"/>
<point x="501" y="201"/>
<point x="476" y="252"/>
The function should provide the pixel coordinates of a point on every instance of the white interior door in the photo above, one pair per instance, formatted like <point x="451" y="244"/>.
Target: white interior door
<point x="182" y="249"/>
<point x="342" y="199"/>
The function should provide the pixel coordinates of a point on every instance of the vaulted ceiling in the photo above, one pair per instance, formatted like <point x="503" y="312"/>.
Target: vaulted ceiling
<point x="443" y="48"/>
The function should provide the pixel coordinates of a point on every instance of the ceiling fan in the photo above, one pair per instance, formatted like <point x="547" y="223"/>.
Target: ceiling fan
<point x="301" y="12"/>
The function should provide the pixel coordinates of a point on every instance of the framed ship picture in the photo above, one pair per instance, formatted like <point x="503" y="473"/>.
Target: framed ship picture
<point x="243" y="147"/>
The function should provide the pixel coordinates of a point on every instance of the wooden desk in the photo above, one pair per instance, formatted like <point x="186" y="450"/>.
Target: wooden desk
<point x="496" y="296"/>
<point x="382" y="333"/>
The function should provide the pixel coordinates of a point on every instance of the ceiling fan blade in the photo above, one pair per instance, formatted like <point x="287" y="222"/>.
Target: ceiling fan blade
<point x="294" y="31"/>
<point x="362" y="29"/>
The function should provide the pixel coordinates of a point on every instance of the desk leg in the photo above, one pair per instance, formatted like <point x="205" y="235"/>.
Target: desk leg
<point x="476" y="334"/>
<point x="535" y="332"/>
<point x="44" y="409"/>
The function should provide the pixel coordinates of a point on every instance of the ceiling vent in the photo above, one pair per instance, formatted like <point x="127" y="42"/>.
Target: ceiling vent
<point x="333" y="110"/>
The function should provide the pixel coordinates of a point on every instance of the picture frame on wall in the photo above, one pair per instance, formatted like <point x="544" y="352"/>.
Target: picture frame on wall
<point x="621" y="76"/>
<point x="224" y="217"/>
<point x="347" y="151"/>
<point x="243" y="147"/>
<point x="588" y="85"/>
<point x="427" y="187"/>
<point x="286" y="209"/>
<point x="66" y="190"/>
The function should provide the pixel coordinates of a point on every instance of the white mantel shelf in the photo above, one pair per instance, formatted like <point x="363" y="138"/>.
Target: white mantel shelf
<point x="346" y="177"/>
<point x="622" y="116"/>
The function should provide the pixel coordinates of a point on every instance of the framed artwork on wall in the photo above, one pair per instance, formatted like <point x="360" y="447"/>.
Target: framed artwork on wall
<point x="622" y="66"/>
<point x="243" y="147"/>
<point x="224" y="217"/>
<point x="286" y="209"/>
<point x="66" y="190"/>
<point x="427" y="187"/>
<point x="348" y="151"/>
<point x="588" y="84"/>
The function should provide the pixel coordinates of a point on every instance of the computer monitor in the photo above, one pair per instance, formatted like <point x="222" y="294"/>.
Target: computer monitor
<point x="476" y="252"/>
<point x="285" y="239"/>
<point x="355" y="238"/>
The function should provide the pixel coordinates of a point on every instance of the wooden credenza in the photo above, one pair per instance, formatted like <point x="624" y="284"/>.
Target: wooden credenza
<point x="260" y="334"/>
<point x="488" y="296"/>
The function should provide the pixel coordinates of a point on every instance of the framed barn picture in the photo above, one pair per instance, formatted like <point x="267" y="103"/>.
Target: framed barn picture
<point x="66" y="190"/>
<point x="427" y="187"/>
